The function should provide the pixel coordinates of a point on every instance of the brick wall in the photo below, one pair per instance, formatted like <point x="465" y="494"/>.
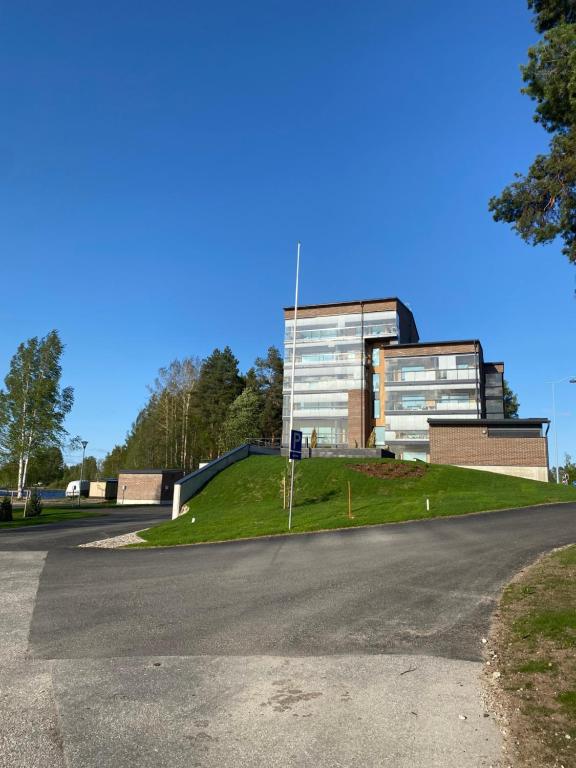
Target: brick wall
<point x="429" y="349"/>
<point x="471" y="446"/>
<point x="358" y="436"/>
<point x="139" y="486"/>
<point x="346" y="309"/>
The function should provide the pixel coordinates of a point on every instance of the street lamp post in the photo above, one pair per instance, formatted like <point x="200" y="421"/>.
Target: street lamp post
<point x="84" y="444"/>
<point x="553" y="385"/>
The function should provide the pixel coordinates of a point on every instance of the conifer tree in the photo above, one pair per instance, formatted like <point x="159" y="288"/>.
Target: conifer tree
<point x="243" y="419"/>
<point x="270" y="377"/>
<point x="541" y="205"/>
<point x="511" y="404"/>
<point x="219" y="384"/>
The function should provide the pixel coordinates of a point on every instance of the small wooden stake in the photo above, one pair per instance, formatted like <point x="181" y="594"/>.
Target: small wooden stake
<point x="350" y="515"/>
<point x="284" y="490"/>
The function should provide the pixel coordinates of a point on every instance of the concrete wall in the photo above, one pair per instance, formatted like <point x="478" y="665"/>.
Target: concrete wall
<point x="189" y="486"/>
<point x="530" y="473"/>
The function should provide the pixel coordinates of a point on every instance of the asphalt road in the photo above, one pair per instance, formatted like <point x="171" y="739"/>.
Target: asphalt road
<point x="360" y="647"/>
<point x="106" y="523"/>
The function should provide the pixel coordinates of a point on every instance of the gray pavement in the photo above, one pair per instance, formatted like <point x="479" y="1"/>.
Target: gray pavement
<point x="360" y="647"/>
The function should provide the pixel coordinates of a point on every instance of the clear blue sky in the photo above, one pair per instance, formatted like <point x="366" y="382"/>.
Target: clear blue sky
<point x="160" y="160"/>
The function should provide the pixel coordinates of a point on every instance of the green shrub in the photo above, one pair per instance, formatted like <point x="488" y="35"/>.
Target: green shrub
<point x="6" y="510"/>
<point x="34" y="506"/>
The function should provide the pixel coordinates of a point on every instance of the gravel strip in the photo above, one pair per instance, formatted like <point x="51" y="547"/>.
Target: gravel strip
<point x="113" y="542"/>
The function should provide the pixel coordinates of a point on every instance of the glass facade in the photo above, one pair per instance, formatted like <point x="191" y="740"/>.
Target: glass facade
<point x="420" y="387"/>
<point x="352" y="359"/>
<point x="329" y="363"/>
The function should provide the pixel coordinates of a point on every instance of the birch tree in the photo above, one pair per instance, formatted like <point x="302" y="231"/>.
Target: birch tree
<point x="33" y="406"/>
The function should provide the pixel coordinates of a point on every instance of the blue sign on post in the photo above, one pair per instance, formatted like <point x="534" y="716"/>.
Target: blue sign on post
<point x="295" y="444"/>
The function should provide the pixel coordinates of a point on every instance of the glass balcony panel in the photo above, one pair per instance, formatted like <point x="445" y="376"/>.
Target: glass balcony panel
<point x="400" y="376"/>
<point x="414" y="434"/>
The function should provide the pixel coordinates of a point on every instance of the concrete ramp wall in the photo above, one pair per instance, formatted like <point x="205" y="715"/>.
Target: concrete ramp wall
<point x="189" y="486"/>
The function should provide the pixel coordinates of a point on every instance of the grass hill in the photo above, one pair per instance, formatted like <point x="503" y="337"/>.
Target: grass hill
<point x="246" y="499"/>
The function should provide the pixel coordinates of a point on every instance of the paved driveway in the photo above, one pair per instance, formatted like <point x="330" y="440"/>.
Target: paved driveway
<point x="355" y="648"/>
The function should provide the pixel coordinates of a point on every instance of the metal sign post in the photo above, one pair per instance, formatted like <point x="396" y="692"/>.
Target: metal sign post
<point x="295" y="455"/>
<point x="293" y="448"/>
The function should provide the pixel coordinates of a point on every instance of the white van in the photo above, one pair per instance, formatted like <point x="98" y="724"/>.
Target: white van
<point x="74" y="485"/>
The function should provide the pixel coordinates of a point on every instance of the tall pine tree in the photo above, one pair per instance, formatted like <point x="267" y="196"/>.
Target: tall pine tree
<point x="541" y="205"/>
<point x="219" y="384"/>
<point x="270" y="379"/>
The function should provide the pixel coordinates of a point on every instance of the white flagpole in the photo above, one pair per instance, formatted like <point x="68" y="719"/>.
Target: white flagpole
<point x="292" y="382"/>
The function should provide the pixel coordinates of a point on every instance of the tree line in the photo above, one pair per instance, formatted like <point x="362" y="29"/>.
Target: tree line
<point x="197" y="410"/>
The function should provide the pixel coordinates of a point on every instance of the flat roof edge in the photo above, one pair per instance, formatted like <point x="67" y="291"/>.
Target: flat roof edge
<point x="347" y="303"/>
<point x="436" y="343"/>
<point x="146" y="471"/>
<point x="488" y="422"/>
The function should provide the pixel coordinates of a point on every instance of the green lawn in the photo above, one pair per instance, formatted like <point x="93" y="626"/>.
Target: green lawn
<point x="51" y="515"/>
<point x="534" y="642"/>
<point x="246" y="499"/>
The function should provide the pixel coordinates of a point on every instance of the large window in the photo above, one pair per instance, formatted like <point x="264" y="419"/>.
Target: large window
<point x="431" y="368"/>
<point x="431" y="400"/>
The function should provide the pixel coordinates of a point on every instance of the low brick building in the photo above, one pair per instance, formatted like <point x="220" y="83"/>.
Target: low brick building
<point x="147" y="486"/>
<point x="507" y="446"/>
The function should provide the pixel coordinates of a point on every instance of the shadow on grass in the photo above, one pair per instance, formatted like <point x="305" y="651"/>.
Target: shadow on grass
<point x="322" y="497"/>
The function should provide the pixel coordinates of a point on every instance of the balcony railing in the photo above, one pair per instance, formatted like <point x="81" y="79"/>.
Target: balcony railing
<point x="413" y="434"/>
<point x="334" y="334"/>
<point x="434" y="374"/>
<point x="432" y="405"/>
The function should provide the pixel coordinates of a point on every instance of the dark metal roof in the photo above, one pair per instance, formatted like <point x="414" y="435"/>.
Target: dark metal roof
<point x="434" y="343"/>
<point x="488" y="422"/>
<point x="147" y="471"/>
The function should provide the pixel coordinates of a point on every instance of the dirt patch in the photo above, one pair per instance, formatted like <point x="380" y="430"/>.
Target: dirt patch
<point x="530" y="670"/>
<point x="390" y="470"/>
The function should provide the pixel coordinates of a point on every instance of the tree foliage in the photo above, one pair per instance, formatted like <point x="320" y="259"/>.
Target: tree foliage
<point x="541" y="204"/>
<point x="511" y="404"/>
<point x="5" y="509"/>
<point x="89" y="472"/>
<point x="197" y="409"/>
<point x="270" y="380"/>
<point x="243" y="419"/>
<point x="114" y="461"/>
<point x="550" y="13"/>
<point x="219" y="384"/>
<point x="33" y="405"/>
<point x="46" y="467"/>
<point x="34" y="505"/>
<point x="569" y="468"/>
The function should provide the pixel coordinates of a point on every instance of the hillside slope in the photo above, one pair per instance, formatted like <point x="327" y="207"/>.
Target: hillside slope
<point x="246" y="499"/>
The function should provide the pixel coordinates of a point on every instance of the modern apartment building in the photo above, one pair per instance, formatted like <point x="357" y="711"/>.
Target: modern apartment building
<point x="362" y="375"/>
